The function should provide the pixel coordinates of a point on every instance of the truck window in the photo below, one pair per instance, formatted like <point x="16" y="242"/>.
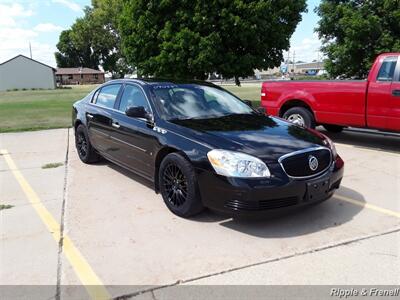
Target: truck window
<point x="386" y="71"/>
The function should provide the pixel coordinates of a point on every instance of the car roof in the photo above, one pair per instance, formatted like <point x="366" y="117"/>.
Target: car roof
<point x="158" y="81"/>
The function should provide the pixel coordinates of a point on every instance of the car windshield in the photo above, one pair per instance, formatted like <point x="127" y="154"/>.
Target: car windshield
<point x="193" y="101"/>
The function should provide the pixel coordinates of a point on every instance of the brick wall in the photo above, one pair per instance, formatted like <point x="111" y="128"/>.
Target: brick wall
<point x="80" y="79"/>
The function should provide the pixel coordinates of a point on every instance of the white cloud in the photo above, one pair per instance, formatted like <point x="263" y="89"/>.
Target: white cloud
<point x="44" y="53"/>
<point x="47" y="27"/>
<point x="15" y="37"/>
<point x="9" y="35"/>
<point x="307" y="50"/>
<point x="70" y="4"/>
<point x="8" y="14"/>
<point x="40" y="51"/>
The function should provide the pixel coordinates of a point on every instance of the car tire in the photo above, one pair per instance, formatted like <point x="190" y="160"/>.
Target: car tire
<point x="301" y="116"/>
<point x="86" y="152"/>
<point x="178" y="186"/>
<point x="333" y="128"/>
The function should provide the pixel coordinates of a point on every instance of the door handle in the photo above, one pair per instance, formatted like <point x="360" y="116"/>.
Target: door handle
<point x="396" y="93"/>
<point x="115" y="124"/>
<point x="90" y="116"/>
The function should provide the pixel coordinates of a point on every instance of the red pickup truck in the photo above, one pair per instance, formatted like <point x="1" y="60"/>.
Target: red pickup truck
<point x="372" y="103"/>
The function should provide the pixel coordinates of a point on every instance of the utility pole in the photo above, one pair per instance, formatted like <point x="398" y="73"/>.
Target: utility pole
<point x="294" y="57"/>
<point x="30" y="49"/>
<point x="287" y="63"/>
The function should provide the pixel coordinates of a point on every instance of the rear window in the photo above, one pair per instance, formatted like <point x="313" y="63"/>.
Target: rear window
<point x="108" y="95"/>
<point x="386" y="72"/>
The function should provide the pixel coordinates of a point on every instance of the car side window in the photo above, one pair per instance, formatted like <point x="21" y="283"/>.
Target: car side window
<point x="107" y="95"/>
<point x="94" y="98"/>
<point x="398" y="70"/>
<point x="386" y="72"/>
<point x="133" y="96"/>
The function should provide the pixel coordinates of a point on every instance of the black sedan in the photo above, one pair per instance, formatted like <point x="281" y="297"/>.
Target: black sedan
<point x="202" y="146"/>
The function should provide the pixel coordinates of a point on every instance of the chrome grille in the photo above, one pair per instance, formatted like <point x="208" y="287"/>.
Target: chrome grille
<point x="297" y="164"/>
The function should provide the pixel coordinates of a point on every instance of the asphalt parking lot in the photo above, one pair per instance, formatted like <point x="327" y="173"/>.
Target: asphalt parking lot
<point x="115" y="230"/>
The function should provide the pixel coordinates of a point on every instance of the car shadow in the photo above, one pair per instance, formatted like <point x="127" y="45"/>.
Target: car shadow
<point x="389" y="142"/>
<point x="207" y="216"/>
<point x="147" y="183"/>
<point x="331" y="213"/>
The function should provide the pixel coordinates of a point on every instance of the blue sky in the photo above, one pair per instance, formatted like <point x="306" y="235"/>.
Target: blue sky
<point x="41" y="21"/>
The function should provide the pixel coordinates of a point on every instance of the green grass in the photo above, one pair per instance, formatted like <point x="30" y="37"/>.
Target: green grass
<point x="39" y="109"/>
<point x="45" y="109"/>
<point x="52" y="165"/>
<point x="5" y="206"/>
<point x="250" y="91"/>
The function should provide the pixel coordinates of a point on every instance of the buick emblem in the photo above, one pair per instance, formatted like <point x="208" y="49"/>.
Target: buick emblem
<point x="313" y="162"/>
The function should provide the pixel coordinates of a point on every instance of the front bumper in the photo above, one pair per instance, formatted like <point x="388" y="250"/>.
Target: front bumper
<point x="244" y="196"/>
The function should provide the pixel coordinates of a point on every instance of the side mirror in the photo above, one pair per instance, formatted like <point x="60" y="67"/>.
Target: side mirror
<point x="261" y="110"/>
<point x="136" y="112"/>
<point x="248" y="102"/>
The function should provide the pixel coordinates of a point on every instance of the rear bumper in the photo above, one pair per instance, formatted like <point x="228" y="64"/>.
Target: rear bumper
<point x="277" y="194"/>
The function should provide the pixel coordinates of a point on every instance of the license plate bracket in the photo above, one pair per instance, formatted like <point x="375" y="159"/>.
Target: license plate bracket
<point x="317" y="190"/>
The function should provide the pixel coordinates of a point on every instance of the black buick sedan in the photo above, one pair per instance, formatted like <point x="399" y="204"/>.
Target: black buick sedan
<point x="202" y="146"/>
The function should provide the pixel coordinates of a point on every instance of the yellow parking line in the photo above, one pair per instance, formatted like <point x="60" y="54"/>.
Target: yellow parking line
<point x="89" y="279"/>
<point x="367" y="205"/>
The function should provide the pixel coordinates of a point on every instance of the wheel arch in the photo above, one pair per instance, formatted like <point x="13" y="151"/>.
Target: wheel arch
<point x="77" y="123"/>
<point x="295" y="103"/>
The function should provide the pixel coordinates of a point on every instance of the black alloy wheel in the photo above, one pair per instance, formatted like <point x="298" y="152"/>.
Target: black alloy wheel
<point x="175" y="185"/>
<point x="81" y="144"/>
<point x="86" y="152"/>
<point x="178" y="186"/>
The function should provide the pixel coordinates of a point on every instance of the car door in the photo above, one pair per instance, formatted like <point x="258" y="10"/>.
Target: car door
<point x="99" y="117"/>
<point x="394" y="102"/>
<point x="135" y="137"/>
<point x="382" y="107"/>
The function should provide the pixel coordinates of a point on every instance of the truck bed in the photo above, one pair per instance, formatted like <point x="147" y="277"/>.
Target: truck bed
<point x="339" y="102"/>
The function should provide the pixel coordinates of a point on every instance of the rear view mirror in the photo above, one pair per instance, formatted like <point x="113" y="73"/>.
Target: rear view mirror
<point x="248" y="102"/>
<point x="136" y="112"/>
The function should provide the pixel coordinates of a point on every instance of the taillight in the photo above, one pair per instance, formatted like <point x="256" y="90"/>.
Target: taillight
<point x="263" y="91"/>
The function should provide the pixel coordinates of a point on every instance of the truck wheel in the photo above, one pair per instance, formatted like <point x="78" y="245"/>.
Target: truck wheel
<point x="300" y="116"/>
<point x="333" y="128"/>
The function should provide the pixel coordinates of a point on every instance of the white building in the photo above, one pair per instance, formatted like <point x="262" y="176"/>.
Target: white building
<point x="22" y="72"/>
<point x="311" y="68"/>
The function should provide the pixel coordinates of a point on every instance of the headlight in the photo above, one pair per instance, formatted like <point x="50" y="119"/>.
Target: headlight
<point x="236" y="164"/>
<point x="331" y="145"/>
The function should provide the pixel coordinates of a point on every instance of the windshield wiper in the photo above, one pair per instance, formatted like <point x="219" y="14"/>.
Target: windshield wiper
<point x="236" y="114"/>
<point x="207" y="117"/>
<point x="182" y="119"/>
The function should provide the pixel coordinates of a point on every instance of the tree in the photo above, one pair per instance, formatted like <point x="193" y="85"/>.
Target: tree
<point x="93" y="40"/>
<point x="69" y="55"/>
<point x="107" y="13"/>
<point x="86" y="44"/>
<point x="354" y="32"/>
<point x="193" y="38"/>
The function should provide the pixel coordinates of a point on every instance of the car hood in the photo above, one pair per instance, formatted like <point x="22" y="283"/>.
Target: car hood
<point x="265" y="137"/>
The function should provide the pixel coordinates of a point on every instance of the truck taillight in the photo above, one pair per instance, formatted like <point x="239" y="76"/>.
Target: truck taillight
<point x="263" y="91"/>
